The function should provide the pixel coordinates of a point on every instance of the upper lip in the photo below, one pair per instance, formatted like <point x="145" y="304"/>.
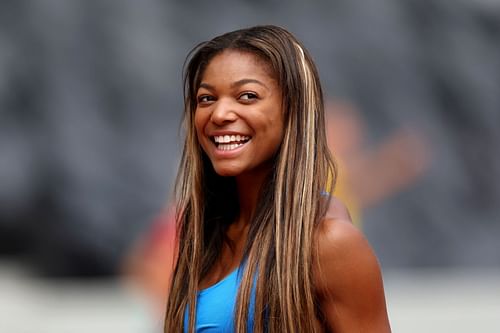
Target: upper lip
<point x="219" y="133"/>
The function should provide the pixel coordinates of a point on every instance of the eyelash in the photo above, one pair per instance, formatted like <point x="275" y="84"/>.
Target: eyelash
<point x="208" y="98"/>
<point x="205" y="98"/>
<point x="250" y="96"/>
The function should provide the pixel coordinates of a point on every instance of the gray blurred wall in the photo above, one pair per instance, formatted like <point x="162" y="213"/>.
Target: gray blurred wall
<point x="90" y="104"/>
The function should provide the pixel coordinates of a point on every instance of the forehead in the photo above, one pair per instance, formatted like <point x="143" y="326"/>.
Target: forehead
<point x="233" y="63"/>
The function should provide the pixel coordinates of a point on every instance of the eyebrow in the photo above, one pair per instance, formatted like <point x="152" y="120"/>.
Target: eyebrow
<point x="234" y="84"/>
<point x="245" y="81"/>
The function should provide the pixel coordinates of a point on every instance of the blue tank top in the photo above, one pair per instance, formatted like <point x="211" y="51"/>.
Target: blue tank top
<point x="215" y="306"/>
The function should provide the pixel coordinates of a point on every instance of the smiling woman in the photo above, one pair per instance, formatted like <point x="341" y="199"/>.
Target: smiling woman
<point x="238" y="98"/>
<point x="261" y="248"/>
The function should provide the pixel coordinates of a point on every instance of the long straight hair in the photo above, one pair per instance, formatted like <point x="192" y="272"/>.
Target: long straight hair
<point x="280" y="251"/>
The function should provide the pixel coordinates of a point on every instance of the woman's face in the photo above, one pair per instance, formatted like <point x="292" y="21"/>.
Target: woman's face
<point x="239" y="117"/>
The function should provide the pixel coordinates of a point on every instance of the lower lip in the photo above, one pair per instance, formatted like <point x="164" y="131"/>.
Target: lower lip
<point x="229" y="153"/>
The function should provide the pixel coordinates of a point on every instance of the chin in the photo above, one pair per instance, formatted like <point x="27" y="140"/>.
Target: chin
<point x="226" y="172"/>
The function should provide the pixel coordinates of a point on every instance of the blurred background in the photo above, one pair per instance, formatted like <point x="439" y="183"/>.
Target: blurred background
<point x="90" y="106"/>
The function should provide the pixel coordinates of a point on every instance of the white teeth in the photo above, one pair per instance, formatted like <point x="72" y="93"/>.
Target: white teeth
<point x="230" y="146"/>
<point x="228" y="141"/>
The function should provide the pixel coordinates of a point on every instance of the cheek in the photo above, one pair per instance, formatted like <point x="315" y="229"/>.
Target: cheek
<point x="199" y="124"/>
<point x="275" y="134"/>
<point x="279" y="137"/>
<point x="278" y="128"/>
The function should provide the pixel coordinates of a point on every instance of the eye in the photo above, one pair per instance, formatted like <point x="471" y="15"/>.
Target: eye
<point x="248" y="96"/>
<point x="204" y="99"/>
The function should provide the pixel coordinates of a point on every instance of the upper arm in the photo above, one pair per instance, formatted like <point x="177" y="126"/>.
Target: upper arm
<point x="348" y="280"/>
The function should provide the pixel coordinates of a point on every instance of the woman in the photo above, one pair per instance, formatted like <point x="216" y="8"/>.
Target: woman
<point x="262" y="247"/>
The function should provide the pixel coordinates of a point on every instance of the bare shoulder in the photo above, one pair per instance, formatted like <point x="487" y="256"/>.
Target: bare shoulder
<point x="338" y="239"/>
<point x="337" y="210"/>
<point x="347" y="276"/>
<point x="343" y="250"/>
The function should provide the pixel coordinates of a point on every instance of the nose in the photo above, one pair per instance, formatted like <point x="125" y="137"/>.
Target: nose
<point x="224" y="112"/>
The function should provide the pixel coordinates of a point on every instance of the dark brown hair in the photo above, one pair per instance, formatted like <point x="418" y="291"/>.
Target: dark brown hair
<point x="279" y="252"/>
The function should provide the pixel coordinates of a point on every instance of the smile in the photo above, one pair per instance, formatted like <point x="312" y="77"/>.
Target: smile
<point x="230" y="142"/>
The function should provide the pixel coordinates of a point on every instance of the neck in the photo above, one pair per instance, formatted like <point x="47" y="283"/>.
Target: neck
<point x="249" y="188"/>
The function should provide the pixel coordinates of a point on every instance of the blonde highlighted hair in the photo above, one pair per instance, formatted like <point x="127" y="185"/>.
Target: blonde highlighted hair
<point x="280" y="250"/>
